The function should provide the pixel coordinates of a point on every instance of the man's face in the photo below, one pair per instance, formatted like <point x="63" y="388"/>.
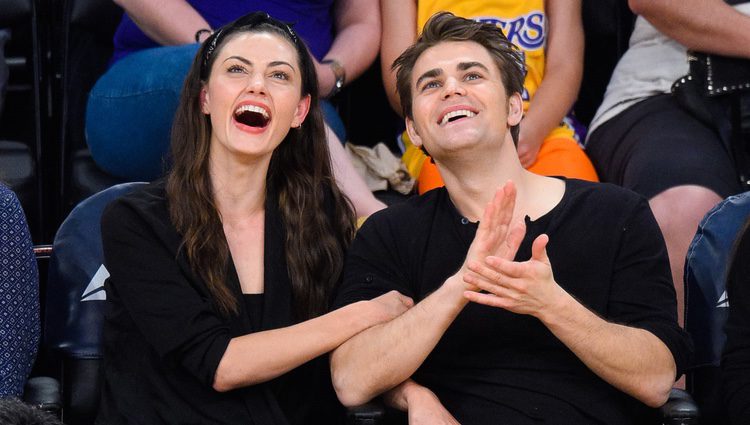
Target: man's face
<point x="459" y="100"/>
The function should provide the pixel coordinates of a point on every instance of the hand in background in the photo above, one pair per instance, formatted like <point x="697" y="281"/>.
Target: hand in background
<point x="528" y="145"/>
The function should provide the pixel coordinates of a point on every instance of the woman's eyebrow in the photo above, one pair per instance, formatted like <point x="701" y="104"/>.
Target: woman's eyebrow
<point x="279" y="63"/>
<point x="239" y="58"/>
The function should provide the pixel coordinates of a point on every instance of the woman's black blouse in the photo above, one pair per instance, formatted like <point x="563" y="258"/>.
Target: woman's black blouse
<point x="164" y="338"/>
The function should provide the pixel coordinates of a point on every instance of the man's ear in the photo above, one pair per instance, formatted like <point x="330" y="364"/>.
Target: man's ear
<point x="303" y="107"/>
<point x="515" y="109"/>
<point x="204" y="101"/>
<point x="411" y="130"/>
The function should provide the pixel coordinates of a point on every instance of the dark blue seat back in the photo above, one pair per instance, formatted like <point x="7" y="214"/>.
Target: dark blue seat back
<point x="75" y="294"/>
<point x="706" y="303"/>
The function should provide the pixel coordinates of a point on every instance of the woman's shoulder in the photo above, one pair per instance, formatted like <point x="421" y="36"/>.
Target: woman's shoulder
<point x="145" y="204"/>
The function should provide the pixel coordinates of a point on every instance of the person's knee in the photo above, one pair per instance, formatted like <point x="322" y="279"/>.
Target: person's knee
<point x="157" y="69"/>
<point x="130" y="111"/>
<point x="683" y="206"/>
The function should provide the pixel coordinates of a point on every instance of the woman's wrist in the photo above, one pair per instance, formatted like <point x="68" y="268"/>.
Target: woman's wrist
<point x="360" y="315"/>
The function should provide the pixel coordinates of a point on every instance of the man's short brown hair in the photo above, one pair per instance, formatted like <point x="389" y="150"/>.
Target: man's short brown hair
<point x="445" y="26"/>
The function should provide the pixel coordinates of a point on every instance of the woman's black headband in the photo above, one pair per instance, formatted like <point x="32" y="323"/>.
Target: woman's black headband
<point x="248" y="21"/>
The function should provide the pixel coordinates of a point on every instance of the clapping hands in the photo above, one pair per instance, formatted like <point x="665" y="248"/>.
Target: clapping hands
<point x="526" y="287"/>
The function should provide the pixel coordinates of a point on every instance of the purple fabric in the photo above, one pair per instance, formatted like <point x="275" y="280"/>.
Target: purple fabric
<point x="312" y="19"/>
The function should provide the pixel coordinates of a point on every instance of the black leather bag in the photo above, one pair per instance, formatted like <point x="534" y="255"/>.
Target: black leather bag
<point x="717" y="92"/>
<point x="719" y="75"/>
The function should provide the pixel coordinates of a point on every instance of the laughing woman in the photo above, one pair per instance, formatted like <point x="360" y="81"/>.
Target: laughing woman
<point x="220" y="276"/>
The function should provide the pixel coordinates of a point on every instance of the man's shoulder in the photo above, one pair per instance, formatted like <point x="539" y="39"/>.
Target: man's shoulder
<point x="413" y="213"/>
<point x="601" y="195"/>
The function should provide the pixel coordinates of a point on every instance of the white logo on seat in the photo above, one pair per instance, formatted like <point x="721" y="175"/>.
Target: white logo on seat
<point x="95" y="289"/>
<point x="723" y="301"/>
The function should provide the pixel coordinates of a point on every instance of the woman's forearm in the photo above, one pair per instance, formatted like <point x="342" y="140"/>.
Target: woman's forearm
<point x="261" y="356"/>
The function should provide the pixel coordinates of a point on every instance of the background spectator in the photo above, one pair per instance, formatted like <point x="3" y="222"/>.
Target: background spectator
<point x="641" y="137"/>
<point x="130" y="109"/>
<point x="550" y="34"/>
<point x="19" y="297"/>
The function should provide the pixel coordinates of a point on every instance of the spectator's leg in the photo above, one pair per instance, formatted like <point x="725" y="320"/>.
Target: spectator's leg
<point x="349" y="181"/>
<point x="131" y="108"/>
<point x="680" y="164"/>
<point x="678" y="211"/>
<point x="333" y="120"/>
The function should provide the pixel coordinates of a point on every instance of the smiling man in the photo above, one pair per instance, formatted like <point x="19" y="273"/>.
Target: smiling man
<point x="538" y="299"/>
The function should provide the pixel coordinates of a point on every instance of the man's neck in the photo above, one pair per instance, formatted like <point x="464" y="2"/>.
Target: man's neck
<point x="472" y="182"/>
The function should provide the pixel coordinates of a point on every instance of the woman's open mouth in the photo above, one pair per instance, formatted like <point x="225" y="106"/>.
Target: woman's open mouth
<point x="252" y="116"/>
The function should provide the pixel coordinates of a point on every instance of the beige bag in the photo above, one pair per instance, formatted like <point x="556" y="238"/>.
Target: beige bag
<point x="380" y="168"/>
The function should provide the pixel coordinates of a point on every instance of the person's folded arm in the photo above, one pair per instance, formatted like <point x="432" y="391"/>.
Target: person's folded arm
<point x="259" y="357"/>
<point x="168" y="22"/>
<point x="704" y="25"/>
<point x="641" y="356"/>
<point x="171" y="309"/>
<point x="385" y="355"/>
<point x="630" y="359"/>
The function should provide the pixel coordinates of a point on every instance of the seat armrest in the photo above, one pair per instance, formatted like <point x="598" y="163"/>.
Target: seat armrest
<point x="43" y="393"/>
<point x="680" y="409"/>
<point x="371" y="413"/>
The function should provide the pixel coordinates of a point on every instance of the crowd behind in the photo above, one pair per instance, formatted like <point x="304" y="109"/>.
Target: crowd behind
<point x="223" y="238"/>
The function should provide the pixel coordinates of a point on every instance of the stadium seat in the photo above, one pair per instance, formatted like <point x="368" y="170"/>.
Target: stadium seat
<point x="81" y="55"/>
<point x="75" y="305"/>
<point x="24" y="123"/>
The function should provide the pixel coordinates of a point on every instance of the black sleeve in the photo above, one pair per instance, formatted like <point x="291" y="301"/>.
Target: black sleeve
<point x="642" y="292"/>
<point x="171" y="314"/>
<point x="375" y="264"/>
<point x="735" y="363"/>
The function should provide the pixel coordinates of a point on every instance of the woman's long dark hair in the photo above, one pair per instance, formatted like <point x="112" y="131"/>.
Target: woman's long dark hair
<point x="299" y="177"/>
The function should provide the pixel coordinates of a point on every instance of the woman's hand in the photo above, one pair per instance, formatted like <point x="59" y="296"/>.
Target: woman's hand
<point x="387" y="307"/>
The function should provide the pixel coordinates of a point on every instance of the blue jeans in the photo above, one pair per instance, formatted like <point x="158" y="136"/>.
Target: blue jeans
<point x="130" y="111"/>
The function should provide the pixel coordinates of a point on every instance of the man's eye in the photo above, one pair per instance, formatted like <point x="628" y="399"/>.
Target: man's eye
<point x="472" y="76"/>
<point x="431" y="85"/>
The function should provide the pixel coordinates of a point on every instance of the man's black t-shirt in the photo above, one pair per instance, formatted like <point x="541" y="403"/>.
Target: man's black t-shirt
<point x="492" y="366"/>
